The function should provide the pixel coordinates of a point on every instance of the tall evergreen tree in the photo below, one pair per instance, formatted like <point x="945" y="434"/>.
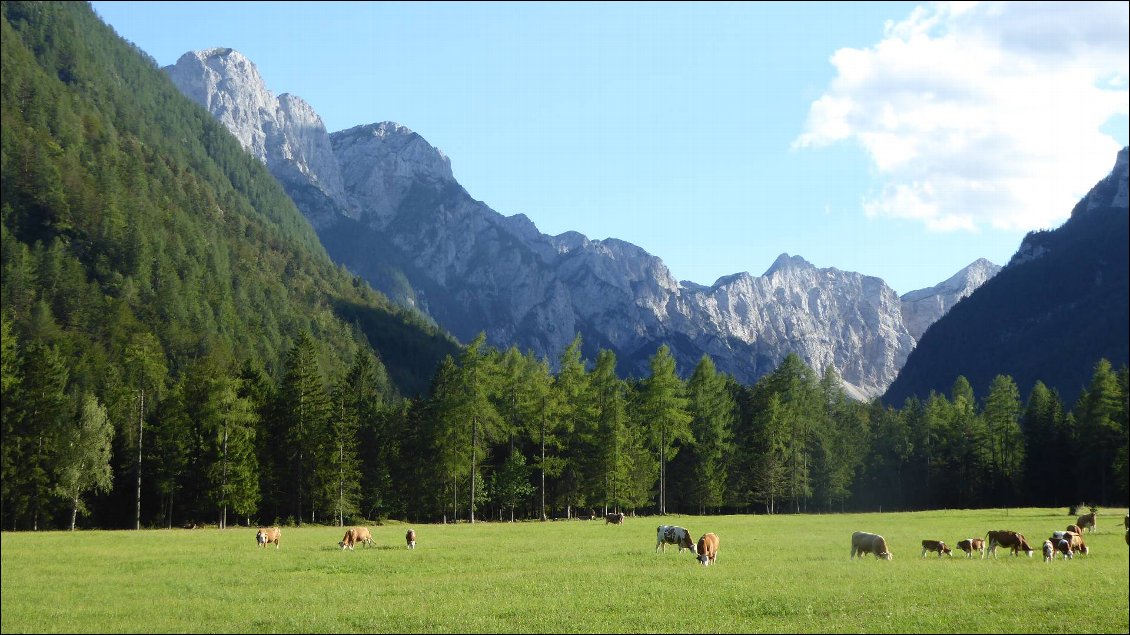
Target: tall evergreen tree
<point x="664" y="403"/>
<point x="44" y="409"/>
<point x="1099" y="412"/>
<point x="305" y="410"/>
<point x="1006" y="441"/>
<point x="712" y="410"/>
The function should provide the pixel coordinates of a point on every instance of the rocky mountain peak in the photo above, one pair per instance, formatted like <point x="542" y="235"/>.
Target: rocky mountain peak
<point x="923" y="307"/>
<point x="283" y="132"/>
<point x="785" y="262"/>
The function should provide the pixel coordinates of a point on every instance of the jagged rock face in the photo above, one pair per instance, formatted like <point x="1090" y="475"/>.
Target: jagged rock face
<point x="922" y="308"/>
<point x="284" y="132"/>
<point x="481" y="271"/>
<point x="474" y="270"/>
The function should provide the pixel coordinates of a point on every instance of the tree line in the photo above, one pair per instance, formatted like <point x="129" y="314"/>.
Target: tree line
<point x="500" y="436"/>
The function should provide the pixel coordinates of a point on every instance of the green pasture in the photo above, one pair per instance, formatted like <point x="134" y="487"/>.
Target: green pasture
<point x="774" y="574"/>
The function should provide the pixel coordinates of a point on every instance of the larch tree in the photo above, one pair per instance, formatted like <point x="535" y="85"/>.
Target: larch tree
<point x="664" y="404"/>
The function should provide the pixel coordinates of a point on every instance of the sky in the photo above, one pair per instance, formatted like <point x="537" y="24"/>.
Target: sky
<point x="895" y="139"/>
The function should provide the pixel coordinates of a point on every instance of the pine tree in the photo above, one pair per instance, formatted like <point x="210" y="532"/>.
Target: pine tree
<point x="712" y="411"/>
<point x="1006" y="441"/>
<point x="664" y="403"/>
<point x="44" y="410"/>
<point x="304" y="410"/>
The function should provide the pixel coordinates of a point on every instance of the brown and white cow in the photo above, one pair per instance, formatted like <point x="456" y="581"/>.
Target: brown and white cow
<point x="969" y="545"/>
<point x="864" y="543"/>
<point x="354" y="535"/>
<point x="614" y="518"/>
<point x="267" y="535"/>
<point x="1005" y="538"/>
<point x="1085" y="521"/>
<point x="1074" y="529"/>
<point x="935" y="546"/>
<point x="673" y="535"/>
<point x="410" y="538"/>
<point x="1049" y="550"/>
<point x="707" y="549"/>
<point x="1076" y="541"/>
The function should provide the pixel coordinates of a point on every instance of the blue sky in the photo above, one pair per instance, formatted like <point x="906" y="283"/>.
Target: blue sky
<point x="900" y="140"/>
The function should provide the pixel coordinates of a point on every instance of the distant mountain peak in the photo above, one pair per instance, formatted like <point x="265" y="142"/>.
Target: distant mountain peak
<point x="787" y="262"/>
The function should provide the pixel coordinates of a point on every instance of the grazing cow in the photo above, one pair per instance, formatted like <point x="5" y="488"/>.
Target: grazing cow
<point x="673" y="535"/>
<point x="969" y="545"/>
<point x="355" y="535"/>
<point x="1074" y="529"/>
<point x="1005" y="538"/>
<point x="1074" y="539"/>
<point x="1064" y="547"/>
<point x="615" y="519"/>
<point x="1049" y="551"/>
<point x="864" y="543"/>
<point x="1085" y="521"/>
<point x="935" y="545"/>
<point x="267" y="535"/>
<point x="707" y="549"/>
<point x="410" y="538"/>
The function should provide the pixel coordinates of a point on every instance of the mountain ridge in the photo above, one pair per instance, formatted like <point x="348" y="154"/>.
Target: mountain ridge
<point x="429" y="244"/>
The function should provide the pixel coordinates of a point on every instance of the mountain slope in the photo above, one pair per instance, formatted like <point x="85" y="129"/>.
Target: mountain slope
<point x="128" y="210"/>
<point x="1059" y="306"/>
<point x="414" y="232"/>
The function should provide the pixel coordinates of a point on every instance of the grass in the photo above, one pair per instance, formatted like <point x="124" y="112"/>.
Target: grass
<point x="778" y="574"/>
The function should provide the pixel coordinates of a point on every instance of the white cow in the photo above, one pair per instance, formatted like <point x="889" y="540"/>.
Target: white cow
<point x="673" y="535"/>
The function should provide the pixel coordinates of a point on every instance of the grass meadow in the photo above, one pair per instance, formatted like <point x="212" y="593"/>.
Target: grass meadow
<point x="774" y="574"/>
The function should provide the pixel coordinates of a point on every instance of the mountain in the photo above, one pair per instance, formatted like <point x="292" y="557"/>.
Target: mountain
<point x="128" y="211"/>
<point x="409" y="228"/>
<point x="1057" y="308"/>
<point x="922" y="308"/>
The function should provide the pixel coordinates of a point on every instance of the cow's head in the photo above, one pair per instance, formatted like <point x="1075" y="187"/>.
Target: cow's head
<point x="946" y="550"/>
<point x="685" y="541"/>
<point x="260" y="537"/>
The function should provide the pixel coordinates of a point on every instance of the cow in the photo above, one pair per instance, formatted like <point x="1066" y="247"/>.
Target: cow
<point x="1074" y="539"/>
<point x="1064" y="547"/>
<point x="1085" y="521"/>
<point x="707" y="549"/>
<point x="864" y="543"/>
<point x="969" y="545"/>
<point x="355" y="535"/>
<point x="936" y="545"/>
<point x="267" y="535"/>
<point x="1049" y="551"/>
<point x="1006" y="538"/>
<point x="410" y="538"/>
<point x="673" y="535"/>
<point x="615" y="519"/>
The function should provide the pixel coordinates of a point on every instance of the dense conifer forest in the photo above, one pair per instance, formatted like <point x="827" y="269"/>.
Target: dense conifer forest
<point x="178" y="349"/>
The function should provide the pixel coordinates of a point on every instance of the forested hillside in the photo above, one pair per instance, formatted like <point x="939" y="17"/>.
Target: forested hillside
<point x="178" y="349"/>
<point x="149" y="261"/>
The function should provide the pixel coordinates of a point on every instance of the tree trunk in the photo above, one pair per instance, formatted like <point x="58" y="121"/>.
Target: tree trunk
<point x="140" y="435"/>
<point x="74" y="512"/>
<point x="224" y="483"/>
<point x="474" y="443"/>
<point x="543" y="463"/>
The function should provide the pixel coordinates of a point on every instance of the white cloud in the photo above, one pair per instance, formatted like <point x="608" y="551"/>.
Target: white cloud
<point x="982" y="114"/>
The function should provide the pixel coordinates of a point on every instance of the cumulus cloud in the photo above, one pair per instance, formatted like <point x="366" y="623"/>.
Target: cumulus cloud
<point x="982" y="114"/>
